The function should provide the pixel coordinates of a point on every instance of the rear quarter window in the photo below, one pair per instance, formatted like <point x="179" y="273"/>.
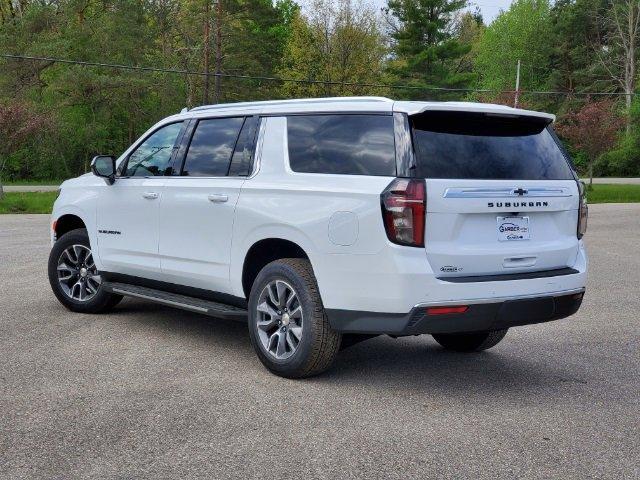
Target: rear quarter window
<point x="342" y="144"/>
<point x="466" y="145"/>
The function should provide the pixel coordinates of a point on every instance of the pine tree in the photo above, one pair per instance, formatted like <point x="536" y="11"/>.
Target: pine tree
<point x="427" y="53"/>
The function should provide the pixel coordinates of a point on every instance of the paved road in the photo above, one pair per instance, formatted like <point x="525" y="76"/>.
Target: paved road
<point x="625" y="181"/>
<point x="53" y="188"/>
<point x="150" y="392"/>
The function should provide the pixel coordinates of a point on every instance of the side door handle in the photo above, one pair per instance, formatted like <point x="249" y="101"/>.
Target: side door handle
<point x="150" y="195"/>
<point x="218" y="198"/>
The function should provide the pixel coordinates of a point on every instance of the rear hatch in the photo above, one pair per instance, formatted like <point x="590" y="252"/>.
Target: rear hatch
<point x="501" y="195"/>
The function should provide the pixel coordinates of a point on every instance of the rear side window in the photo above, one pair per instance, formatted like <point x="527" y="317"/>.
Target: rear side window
<point x="342" y="144"/>
<point x="481" y="146"/>
<point x="211" y="146"/>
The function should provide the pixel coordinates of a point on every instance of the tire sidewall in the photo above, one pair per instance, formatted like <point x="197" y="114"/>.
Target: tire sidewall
<point x="74" y="237"/>
<point x="281" y="271"/>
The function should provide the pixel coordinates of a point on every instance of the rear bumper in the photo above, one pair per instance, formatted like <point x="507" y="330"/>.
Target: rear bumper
<point x="482" y="315"/>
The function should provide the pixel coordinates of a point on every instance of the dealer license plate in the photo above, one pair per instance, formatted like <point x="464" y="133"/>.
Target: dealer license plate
<point x="513" y="228"/>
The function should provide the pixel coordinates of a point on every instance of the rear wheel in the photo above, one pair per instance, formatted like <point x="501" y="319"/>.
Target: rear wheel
<point x="73" y="275"/>
<point x="470" y="342"/>
<point x="287" y="323"/>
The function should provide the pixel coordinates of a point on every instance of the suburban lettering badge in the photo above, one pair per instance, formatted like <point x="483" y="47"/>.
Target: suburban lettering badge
<point x="517" y="204"/>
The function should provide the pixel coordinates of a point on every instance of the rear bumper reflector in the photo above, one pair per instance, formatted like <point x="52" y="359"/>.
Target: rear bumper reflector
<point x="447" y="310"/>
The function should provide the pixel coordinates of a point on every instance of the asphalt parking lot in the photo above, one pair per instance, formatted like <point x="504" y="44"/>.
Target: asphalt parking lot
<point x="152" y="392"/>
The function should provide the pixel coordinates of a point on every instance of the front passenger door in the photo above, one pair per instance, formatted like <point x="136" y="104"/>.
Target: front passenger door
<point x="128" y="210"/>
<point x="198" y="206"/>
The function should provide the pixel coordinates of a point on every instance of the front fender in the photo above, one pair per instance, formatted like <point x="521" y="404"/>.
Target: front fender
<point x="81" y="202"/>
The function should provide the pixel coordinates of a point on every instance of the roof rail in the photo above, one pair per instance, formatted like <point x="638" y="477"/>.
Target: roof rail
<point x="294" y="101"/>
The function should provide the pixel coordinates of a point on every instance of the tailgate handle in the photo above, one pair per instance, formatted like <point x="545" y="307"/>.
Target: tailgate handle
<point x="515" y="262"/>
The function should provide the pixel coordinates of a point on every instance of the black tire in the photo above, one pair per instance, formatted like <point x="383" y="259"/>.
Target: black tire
<point x="100" y="302"/>
<point x="470" y="342"/>
<point x="319" y="343"/>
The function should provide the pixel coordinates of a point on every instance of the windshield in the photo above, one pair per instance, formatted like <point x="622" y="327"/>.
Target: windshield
<point x="466" y="145"/>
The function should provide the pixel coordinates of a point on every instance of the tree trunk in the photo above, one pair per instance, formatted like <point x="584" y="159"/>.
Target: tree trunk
<point x="206" y="41"/>
<point x="591" y="174"/>
<point x="1" y="191"/>
<point x="630" y="71"/>
<point x="218" y="80"/>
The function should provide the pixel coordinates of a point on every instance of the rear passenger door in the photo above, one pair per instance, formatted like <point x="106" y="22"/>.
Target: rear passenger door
<point x="198" y="203"/>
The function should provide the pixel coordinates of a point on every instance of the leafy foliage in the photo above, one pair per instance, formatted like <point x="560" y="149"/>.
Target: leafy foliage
<point x="339" y="43"/>
<point x="572" y="47"/>
<point x="521" y="33"/>
<point x="427" y="51"/>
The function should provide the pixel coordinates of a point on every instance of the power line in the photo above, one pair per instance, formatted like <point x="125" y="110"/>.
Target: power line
<point x="232" y="75"/>
<point x="295" y="80"/>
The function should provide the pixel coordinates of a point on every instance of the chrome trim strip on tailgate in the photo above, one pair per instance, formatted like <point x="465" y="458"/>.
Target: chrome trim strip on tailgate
<point x="506" y="192"/>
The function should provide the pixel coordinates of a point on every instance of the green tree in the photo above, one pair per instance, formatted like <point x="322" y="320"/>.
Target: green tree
<point x="98" y="110"/>
<point x="426" y="50"/>
<point x="523" y="32"/>
<point x="624" y="158"/>
<point x="573" y="61"/>
<point x="469" y="30"/>
<point x="339" y="43"/>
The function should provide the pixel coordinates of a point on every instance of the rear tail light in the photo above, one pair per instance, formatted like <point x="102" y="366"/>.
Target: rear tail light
<point x="583" y="210"/>
<point x="403" y="211"/>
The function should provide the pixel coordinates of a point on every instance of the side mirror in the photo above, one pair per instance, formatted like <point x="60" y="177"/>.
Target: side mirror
<point x="104" y="166"/>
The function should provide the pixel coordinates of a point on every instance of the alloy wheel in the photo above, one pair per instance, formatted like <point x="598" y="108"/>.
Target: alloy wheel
<point x="279" y="319"/>
<point x="77" y="273"/>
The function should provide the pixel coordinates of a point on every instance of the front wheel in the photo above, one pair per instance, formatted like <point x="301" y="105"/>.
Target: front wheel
<point x="287" y="323"/>
<point x="470" y="342"/>
<point x="73" y="275"/>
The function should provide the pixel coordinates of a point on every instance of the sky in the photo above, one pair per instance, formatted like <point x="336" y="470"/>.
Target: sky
<point x="490" y="8"/>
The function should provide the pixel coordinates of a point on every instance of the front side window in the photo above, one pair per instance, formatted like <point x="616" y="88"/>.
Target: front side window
<point x="211" y="146"/>
<point x="347" y="144"/>
<point x="151" y="158"/>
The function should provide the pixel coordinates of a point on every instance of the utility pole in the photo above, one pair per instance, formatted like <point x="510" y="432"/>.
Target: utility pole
<point x="207" y="46"/>
<point x="218" y="81"/>
<point x="517" y="95"/>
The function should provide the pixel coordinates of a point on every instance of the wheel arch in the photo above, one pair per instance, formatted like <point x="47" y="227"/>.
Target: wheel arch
<point x="67" y="222"/>
<point x="265" y="251"/>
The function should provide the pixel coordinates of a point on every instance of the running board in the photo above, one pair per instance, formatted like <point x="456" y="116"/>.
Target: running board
<point x="206" y="307"/>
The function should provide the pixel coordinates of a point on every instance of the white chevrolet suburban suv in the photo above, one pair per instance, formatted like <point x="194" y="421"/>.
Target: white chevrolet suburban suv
<point x="321" y="222"/>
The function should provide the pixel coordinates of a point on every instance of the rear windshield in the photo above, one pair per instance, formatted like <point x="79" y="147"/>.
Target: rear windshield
<point x="481" y="146"/>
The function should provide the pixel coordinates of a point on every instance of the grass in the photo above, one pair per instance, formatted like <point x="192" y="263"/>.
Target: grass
<point x="610" y="193"/>
<point x="27" y="202"/>
<point x="42" y="202"/>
